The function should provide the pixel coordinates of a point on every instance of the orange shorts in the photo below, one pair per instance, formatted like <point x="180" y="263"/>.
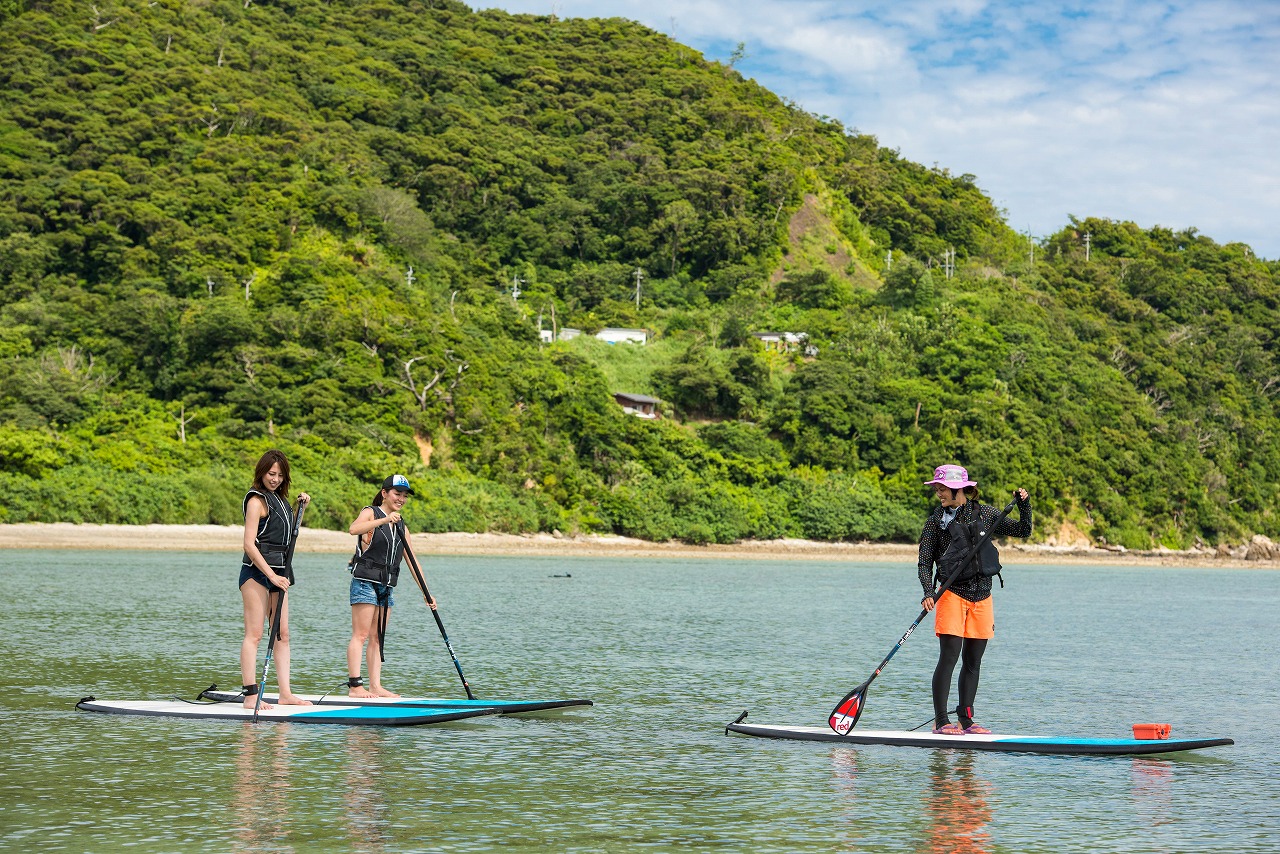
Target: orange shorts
<point x="953" y="615"/>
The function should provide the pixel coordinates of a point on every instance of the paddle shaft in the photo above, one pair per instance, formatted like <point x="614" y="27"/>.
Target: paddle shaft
<point x="946" y="585"/>
<point x="271" y="644"/>
<point x="426" y="597"/>
<point x="279" y="610"/>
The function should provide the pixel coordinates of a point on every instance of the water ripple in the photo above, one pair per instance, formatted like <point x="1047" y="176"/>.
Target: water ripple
<point x="670" y="651"/>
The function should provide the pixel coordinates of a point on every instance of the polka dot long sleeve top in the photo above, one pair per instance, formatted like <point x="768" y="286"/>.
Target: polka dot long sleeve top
<point x="934" y="540"/>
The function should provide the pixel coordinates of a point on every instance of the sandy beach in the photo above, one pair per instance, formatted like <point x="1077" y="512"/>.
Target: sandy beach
<point x="227" y="539"/>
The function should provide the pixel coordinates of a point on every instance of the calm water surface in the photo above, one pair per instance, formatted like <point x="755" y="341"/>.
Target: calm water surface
<point x="670" y="651"/>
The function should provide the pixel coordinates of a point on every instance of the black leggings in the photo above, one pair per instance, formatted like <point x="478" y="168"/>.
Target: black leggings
<point x="950" y="649"/>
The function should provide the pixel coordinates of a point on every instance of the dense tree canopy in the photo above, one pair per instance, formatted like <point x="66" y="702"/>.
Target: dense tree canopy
<point x="339" y="229"/>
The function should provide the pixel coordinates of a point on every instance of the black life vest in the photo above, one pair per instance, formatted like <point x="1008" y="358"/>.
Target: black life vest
<point x="275" y="529"/>
<point x="380" y="560"/>
<point x="957" y="558"/>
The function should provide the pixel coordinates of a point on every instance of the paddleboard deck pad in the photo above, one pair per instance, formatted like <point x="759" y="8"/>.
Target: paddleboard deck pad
<point x="349" y="715"/>
<point x="995" y="741"/>
<point x="506" y="707"/>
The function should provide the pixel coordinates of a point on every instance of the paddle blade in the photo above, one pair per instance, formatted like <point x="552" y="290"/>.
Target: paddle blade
<point x="844" y="716"/>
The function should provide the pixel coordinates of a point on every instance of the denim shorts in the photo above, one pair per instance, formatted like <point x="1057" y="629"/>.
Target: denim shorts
<point x="366" y="593"/>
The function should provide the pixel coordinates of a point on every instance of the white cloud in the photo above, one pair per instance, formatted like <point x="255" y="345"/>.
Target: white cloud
<point x="1159" y="111"/>
<point x="841" y="51"/>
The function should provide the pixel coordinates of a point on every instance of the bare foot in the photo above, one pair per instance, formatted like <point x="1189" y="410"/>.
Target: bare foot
<point x="249" y="703"/>
<point x="292" y="700"/>
<point x="360" y="693"/>
<point x="383" y="692"/>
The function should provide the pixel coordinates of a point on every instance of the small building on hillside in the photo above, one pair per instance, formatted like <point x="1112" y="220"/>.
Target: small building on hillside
<point x="614" y="335"/>
<point x="610" y="335"/>
<point x="639" y="405"/>
<point x="785" y="342"/>
<point x="566" y="333"/>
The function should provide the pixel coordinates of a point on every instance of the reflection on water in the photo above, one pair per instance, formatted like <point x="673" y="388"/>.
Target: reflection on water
<point x="664" y="648"/>
<point x="274" y="796"/>
<point x="844" y="765"/>
<point x="261" y="792"/>
<point x="958" y="812"/>
<point x="368" y="820"/>
<point x="1152" y="785"/>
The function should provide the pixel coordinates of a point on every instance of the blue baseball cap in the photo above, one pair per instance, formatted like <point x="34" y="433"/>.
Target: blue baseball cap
<point x="398" y="481"/>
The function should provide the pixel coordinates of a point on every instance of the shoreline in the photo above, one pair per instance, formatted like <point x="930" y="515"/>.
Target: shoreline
<point x="227" y="538"/>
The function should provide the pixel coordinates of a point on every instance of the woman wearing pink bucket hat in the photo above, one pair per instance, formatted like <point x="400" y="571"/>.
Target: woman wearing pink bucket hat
<point x="964" y="616"/>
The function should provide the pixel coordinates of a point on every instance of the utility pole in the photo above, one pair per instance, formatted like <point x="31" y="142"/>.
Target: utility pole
<point x="408" y="277"/>
<point x="888" y="260"/>
<point x="1031" y="244"/>
<point x="516" y="282"/>
<point x="541" y="311"/>
<point x="949" y="262"/>
<point x="639" y="274"/>
<point x="1087" y="236"/>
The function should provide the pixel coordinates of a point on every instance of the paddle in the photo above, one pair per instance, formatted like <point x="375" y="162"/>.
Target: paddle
<point x="275" y="617"/>
<point x="426" y="597"/>
<point x="844" y="716"/>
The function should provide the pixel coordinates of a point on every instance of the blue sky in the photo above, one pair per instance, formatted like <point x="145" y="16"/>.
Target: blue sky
<point x="1163" y="113"/>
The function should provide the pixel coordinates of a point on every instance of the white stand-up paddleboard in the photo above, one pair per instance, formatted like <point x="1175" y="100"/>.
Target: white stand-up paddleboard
<point x="506" y="707"/>
<point x="349" y="715"/>
<point x="994" y="741"/>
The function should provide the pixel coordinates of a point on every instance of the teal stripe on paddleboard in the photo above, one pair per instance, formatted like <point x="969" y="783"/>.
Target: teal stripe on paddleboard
<point x="409" y="703"/>
<point x="1098" y="742"/>
<point x="374" y="713"/>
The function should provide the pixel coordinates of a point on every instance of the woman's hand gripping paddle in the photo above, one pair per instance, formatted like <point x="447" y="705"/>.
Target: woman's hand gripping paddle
<point x="275" y="616"/>
<point x="844" y="716"/>
<point x="426" y="597"/>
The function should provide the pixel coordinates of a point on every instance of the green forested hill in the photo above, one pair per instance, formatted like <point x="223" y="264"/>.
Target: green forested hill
<point x="226" y="226"/>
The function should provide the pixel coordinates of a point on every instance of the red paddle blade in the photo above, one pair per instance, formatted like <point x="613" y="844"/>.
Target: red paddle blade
<point x="844" y="716"/>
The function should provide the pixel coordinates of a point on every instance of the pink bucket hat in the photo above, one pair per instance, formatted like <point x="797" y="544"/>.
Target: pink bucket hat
<point x="955" y="477"/>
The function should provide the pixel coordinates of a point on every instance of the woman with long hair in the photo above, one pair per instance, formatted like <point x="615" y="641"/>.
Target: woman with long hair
<point x="264" y="573"/>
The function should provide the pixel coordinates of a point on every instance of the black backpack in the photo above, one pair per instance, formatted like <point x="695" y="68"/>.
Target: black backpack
<point x="958" y="558"/>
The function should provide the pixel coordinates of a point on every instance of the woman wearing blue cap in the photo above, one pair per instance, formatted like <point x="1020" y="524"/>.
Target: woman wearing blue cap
<point x="380" y="547"/>
<point x="964" y="616"/>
